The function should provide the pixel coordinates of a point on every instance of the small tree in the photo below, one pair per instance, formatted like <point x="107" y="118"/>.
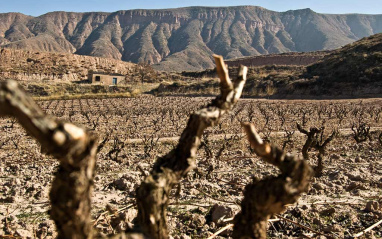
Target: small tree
<point x="144" y="71"/>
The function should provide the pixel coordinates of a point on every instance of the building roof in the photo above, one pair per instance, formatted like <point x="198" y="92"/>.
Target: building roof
<point x="105" y="73"/>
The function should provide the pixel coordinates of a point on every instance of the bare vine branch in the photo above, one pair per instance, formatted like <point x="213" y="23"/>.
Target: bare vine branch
<point x="75" y="148"/>
<point x="269" y="196"/>
<point x="153" y="194"/>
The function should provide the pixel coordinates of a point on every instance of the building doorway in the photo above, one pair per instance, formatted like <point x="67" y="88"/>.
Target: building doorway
<point x="114" y="81"/>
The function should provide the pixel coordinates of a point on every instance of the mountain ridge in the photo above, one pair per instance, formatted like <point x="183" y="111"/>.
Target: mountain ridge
<point x="184" y="38"/>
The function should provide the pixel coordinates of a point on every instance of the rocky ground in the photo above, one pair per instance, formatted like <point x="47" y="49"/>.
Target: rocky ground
<point x="344" y="201"/>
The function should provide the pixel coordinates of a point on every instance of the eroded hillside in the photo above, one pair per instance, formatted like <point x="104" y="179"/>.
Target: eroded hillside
<point x="353" y="71"/>
<point x="28" y="65"/>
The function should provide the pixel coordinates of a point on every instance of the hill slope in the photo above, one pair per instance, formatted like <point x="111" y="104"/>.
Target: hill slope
<point x="28" y="65"/>
<point x="352" y="71"/>
<point x="290" y="58"/>
<point x="359" y="62"/>
<point x="184" y="38"/>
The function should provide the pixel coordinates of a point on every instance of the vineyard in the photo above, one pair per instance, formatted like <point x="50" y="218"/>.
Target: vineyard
<point x="174" y="147"/>
<point x="342" y="201"/>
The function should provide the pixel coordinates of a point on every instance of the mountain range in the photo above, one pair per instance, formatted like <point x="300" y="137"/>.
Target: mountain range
<point x="184" y="39"/>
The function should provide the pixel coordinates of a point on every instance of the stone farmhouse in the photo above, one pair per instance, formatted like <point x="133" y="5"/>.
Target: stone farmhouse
<point x="103" y="78"/>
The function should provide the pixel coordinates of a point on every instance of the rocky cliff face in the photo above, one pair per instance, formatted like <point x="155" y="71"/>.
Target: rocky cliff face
<point x="184" y="38"/>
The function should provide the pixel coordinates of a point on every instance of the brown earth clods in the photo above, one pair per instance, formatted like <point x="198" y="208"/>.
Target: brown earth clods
<point x="345" y="200"/>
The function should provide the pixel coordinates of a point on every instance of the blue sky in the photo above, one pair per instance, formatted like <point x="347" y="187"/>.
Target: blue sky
<point x="39" y="7"/>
